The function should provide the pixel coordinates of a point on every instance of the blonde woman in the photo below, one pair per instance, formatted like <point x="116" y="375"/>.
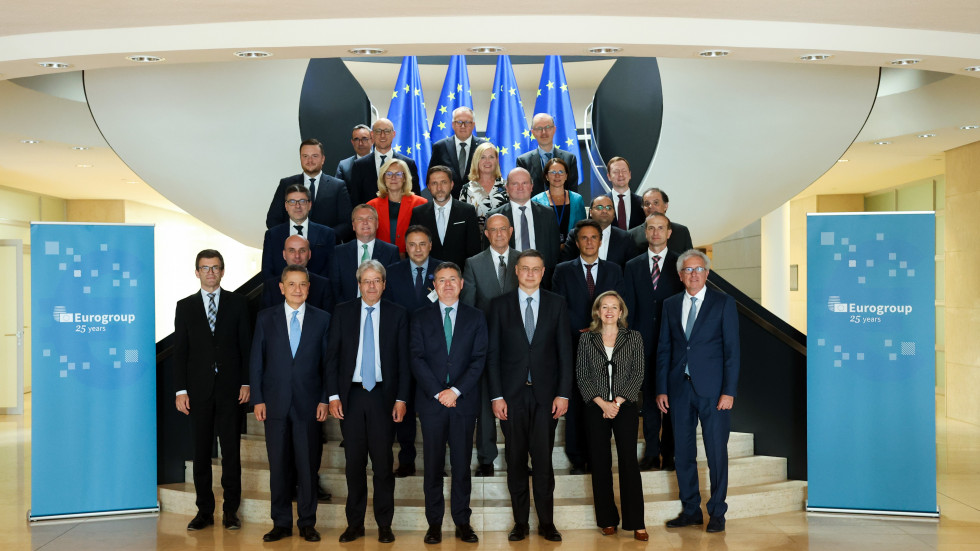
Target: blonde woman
<point x="395" y="202"/>
<point x="485" y="190"/>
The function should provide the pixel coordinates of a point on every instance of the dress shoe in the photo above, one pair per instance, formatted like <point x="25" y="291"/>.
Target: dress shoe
<point x="231" y="521"/>
<point x="277" y="533"/>
<point x="685" y="520"/>
<point x="465" y="533"/>
<point x="352" y="533"/>
<point x="608" y="530"/>
<point x="641" y="536"/>
<point x="404" y="470"/>
<point x="650" y="464"/>
<point x="385" y="535"/>
<point x="200" y="522"/>
<point x="716" y="524"/>
<point x="433" y="534"/>
<point x="549" y="532"/>
<point x="485" y="469"/>
<point x="668" y="464"/>
<point x="309" y="533"/>
<point x="578" y="469"/>
<point x="519" y="532"/>
<point x="322" y="495"/>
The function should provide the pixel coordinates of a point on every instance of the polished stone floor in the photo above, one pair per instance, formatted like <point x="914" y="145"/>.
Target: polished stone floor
<point x="958" y="446"/>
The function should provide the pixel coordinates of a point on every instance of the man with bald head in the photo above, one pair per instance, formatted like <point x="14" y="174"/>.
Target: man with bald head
<point x="363" y="184"/>
<point x="456" y="151"/>
<point x="543" y="128"/>
<point x="534" y="224"/>
<point x="296" y="251"/>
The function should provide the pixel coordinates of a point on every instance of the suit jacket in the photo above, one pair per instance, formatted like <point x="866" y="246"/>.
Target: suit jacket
<point x="400" y="286"/>
<point x="627" y="361"/>
<point x="621" y="247"/>
<point x="645" y="303"/>
<point x="462" y="231"/>
<point x="280" y="380"/>
<point x="569" y="282"/>
<point x="345" y="338"/>
<point x="321" y="293"/>
<point x="331" y="206"/>
<point x="531" y="162"/>
<point x="637" y="216"/>
<point x="345" y="260"/>
<point x="408" y="203"/>
<point x="480" y="283"/>
<point x="679" y="240"/>
<point x="712" y="353"/>
<point x="545" y="232"/>
<point x="344" y="168"/>
<point x="322" y="242"/>
<point x="363" y="183"/>
<point x="437" y="368"/>
<point x="548" y="357"/>
<point x="444" y="153"/>
<point x="197" y="352"/>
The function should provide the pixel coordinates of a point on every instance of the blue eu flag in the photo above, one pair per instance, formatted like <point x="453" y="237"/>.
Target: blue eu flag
<point x="407" y="114"/>
<point x="506" y="124"/>
<point x="554" y="100"/>
<point x="455" y="93"/>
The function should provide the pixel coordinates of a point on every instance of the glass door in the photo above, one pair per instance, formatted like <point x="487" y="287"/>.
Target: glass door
<point x="11" y="327"/>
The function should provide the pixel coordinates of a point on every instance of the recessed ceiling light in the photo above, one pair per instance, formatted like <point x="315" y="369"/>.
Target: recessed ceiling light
<point x="605" y="50"/>
<point x="882" y="142"/>
<point x="80" y="147"/>
<point x="926" y="136"/>
<point x="815" y="57"/>
<point x="486" y="49"/>
<point x="252" y="54"/>
<point x="54" y="65"/>
<point x="969" y="127"/>
<point x="714" y="53"/>
<point x="906" y="61"/>
<point x="366" y="51"/>
<point x="83" y="166"/>
<point x="972" y="69"/>
<point x="145" y="58"/>
<point x="842" y="160"/>
<point x="30" y="141"/>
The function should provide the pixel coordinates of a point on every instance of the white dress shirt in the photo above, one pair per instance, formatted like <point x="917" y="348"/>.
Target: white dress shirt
<point x="604" y="244"/>
<point x="516" y="207"/>
<point x="686" y="306"/>
<point x="306" y="228"/>
<point x="452" y="320"/>
<point x="627" y="202"/>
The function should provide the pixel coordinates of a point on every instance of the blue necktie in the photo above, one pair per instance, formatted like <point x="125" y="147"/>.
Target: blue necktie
<point x="419" y="283"/>
<point x="367" y="352"/>
<point x="691" y="314"/>
<point x="294" y="332"/>
<point x="529" y="327"/>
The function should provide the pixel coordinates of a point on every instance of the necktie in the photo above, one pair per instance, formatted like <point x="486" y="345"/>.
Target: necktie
<point x="529" y="327"/>
<point x="462" y="158"/>
<point x="525" y="231"/>
<point x="502" y="272"/>
<point x="589" y="280"/>
<point x="691" y="314"/>
<point x="441" y="224"/>
<point x="299" y="229"/>
<point x="547" y="157"/>
<point x="621" y="213"/>
<point x="313" y="188"/>
<point x="294" y="331"/>
<point x="364" y="255"/>
<point x="382" y="161"/>
<point x="418" y="282"/>
<point x="367" y="352"/>
<point x="655" y="271"/>
<point x="447" y="327"/>
<point x="212" y="312"/>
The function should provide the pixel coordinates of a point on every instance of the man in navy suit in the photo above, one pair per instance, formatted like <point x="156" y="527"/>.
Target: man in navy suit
<point x="288" y="393"/>
<point x="456" y="151"/>
<point x="322" y="239"/>
<point x="348" y="256"/>
<point x="296" y="250"/>
<point x="617" y="245"/>
<point x="650" y="279"/>
<point x="697" y="374"/>
<point x="627" y="206"/>
<point x="367" y="375"/>
<point x="329" y="197"/>
<point x="362" y="140"/>
<point x="655" y="200"/>
<point x="453" y="224"/>
<point x="580" y="281"/>
<point x="543" y="128"/>
<point x="534" y="224"/>
<point x="363" y="184"/>
<point x="449" y="346"/>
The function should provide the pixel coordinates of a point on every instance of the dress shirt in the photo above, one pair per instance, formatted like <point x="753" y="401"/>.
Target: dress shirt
<point x="469" y="150"/>
<point x="447" y="212"/>
<point x="542" y="153"/>
<point x="659" y="258"/>
<point x="207" y="303"/>
<point x="424" y="267"/>
<point x="452" y="320"/>
<point x="517" y="223"/>
<point x="306" y="182"/>
<point x="289" y="315"/>
<point x="377" y="159"/>
<point x="376" y="323"/>
<point x="604" y="244"/>
<point x="585" y="271"/>
<point x="686" y="307"/>
<point x="627" y="202"/>
<point x="370" y="254"/>
<point x="306" y="228"/>
<point x="522" y="299"/>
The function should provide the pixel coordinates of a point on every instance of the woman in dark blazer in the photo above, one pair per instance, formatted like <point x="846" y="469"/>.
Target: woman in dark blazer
<point x="610" y="371"/>
<point x="395" y="202"/>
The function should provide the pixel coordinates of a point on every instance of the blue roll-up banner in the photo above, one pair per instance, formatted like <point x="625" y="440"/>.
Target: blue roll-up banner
<point x="871" y="363"/>
<point x="94" y="370"/>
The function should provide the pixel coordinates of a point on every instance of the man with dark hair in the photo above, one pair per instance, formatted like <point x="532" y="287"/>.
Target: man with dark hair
<point x="329" y="198"/>
<point x="348" y="256"/>
<point x="362" y="140"/>
<point x="543" y="128"/>
<point x="322" y="239"/>
<point x="655" y="200"/>
<point x="456" y="151"/>
<point x="363" y="184"/>
<point x="616" y="245"/>
<point x="453" y="223"/>
<point x="211" y="346"/>
<point x="628" y="205"/>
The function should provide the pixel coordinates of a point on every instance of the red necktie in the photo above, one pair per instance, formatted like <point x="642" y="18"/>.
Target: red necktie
<point x="589" y="280"/>
<point x="621" y="213"/>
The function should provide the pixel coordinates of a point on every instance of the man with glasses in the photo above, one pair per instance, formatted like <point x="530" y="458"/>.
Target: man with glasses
<point x="363" y="184"/>
<point x="543" y="128"/>
<point x="362" y="140"/>
<point x="628" y="205"/>
<point x="697" y="374"/>
<point x="456" y="151"/>
<point x="322" y="239"/>
<point x="330" y="200"/>
<point x="617" y="245"/>
<point x="655" y="200"/>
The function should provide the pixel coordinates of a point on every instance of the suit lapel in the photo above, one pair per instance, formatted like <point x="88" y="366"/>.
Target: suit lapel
<point x="706" y="305"/>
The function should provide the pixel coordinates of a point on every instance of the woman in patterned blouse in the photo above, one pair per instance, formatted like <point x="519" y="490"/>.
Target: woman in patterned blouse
<point x="485" y="190"/>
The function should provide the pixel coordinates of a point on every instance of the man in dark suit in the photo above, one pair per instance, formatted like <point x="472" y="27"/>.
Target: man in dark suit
<point x="454" y="225"/>
<point x="211" y="345"/>
<point x="580" y="281"/>
<point x="348" y="256"/>
<point x="363" y="184"/>
<point x="534" y="224"/>
<point x="288" y="354"/>
<point x="367" y="382"/>
<point x="487" y="276"/>
<point x="329" y="198"/>
<point x="627" y="206"/>
<point x="697" y="374"/>
<point x="362" y="140"/>
<point x="617" y="245"/>
<point x="296" y="250"/>
<point x="530" y="363"/>
<point x="650" y="279"/>
<point x="449" y="347"/>
<point x="456" y="151"/>
<point x="655" y="200"/>
<point x="322" y="239"/>
<point x="543" y="128"/>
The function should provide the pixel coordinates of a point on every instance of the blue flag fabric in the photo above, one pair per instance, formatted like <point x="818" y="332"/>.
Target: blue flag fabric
<point x="553" y="99"/>
<point x="506" y="124"/>
<point x="455" y="93"/>
<point x="407" y="114"/>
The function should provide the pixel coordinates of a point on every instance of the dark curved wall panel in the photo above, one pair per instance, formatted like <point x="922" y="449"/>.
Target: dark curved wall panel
<point x="331" y="103"/>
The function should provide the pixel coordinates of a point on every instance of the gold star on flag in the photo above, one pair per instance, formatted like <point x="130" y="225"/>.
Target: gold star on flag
<point x="397" y="148"/>
<point x="517" y="146"/>
<point x="442" y="126"/>
<point x="539" y="91"/>
<point x="503" y="150"/>
<point x="557" y="146"/>
<point x="417" y="92"/>
<point x="493" y="96"/>
<point x="452" y="96"/>
<point x="564" y="87"/>
<point x="526" y="133"/>
<point x="512" y="91"/>
<point x="442" y="109"/>
<point x="569" y="142"/>
<point x="425" y="135"/>
<point x="408" y="151"/>
<point x="418" y="146"/>
<point x="551" y="85"/>
<point x="407" y="88"/>
<point x="459" y="87"/>
<point x="394" y="94"/>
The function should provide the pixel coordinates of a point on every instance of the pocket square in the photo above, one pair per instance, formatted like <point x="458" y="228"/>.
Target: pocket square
<point x="460" y="222"/>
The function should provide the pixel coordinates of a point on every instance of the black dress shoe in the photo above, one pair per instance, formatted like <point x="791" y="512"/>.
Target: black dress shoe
<point x="668" y="464"/>
<point x="465" y="533"/>
<point x="309" y="533"/>
<point x="650" y="463"/>
<point x="578" y="469"/>
<point x="433" y="534"/>
<point x="352" y="533"/>
<point x="385" y="535"/>
<point x="231" y="521"/>
<point x="484" y="470"/>
<point x="277" y="533"/>
<point x="549" y="532"/>
<point x="200" y="522"/>
<point x="322" y="495"/>
<point x="716" y="524"/>
<point x="683" y="520"/>
<point x="404" y="470"/>
<point x="519" y="532"/>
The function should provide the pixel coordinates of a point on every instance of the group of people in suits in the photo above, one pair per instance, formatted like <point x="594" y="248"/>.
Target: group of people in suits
<point x="386" y="303"/>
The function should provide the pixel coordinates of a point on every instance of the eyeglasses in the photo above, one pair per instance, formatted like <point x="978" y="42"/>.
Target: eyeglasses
<point x="690" y="270"/>
<point x="602" y="207"/>
<point x="620" y="173"/>
<point x="462" y="124"/>
<point x="360" y="140"/>
<point x="384" y="131"/>
<point x="534" y="270"/>
<point x="294" y="202"/>
<point x="543" y="128"/>
<point x="499" y="230"/>
<point x="556" y="172"/>
<point x="210" y="269"/>
<point x="390" y="174"/>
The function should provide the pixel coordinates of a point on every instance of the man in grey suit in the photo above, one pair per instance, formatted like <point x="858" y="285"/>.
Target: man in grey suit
<point x="534" y="224"/>
<point x="543" y="128"/>
<point x="655" y="200"/>
<point x="486" y="276"/>
<point x="363" y="140"/>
